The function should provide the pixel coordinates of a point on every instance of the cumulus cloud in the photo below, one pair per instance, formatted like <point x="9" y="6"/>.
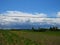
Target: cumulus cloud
<point x="17" y="18"/>
<point x="18" y="13"/>
<point x="14" y="16"/>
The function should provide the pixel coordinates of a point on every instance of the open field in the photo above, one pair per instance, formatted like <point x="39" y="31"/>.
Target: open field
<point x="29" y="38"/>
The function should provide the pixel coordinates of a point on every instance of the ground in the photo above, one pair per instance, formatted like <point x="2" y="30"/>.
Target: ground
<point x="29" y="38"/>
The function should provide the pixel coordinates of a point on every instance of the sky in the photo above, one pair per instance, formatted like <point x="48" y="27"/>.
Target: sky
<point x="31" y="6"/>
<point x="31" y="12"/>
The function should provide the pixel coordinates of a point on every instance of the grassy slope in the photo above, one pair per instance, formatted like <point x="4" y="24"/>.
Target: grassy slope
<point x="29" y="38"/>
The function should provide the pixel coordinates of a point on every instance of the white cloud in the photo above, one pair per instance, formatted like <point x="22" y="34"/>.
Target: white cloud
<point x="13" y="16"/>
<point x="18" y="13"/>
<point x="10" y="17"/>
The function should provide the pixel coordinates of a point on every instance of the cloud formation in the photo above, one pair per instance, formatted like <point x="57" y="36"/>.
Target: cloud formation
<point x="14" y="18"/>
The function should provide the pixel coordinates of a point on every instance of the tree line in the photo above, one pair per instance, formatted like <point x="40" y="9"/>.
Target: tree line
<point x="54" y="28"/>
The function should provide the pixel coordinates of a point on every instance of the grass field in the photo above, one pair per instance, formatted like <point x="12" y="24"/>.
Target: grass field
<point x="29" y="38"/>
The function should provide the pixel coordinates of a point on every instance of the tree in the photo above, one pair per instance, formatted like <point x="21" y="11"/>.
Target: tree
<point x="54" y="28"/>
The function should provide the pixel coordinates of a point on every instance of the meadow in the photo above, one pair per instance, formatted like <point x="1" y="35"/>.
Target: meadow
<point x="14" y="37"/>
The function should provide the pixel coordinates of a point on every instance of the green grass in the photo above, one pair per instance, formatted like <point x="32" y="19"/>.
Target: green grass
<point x="29" y="38"/>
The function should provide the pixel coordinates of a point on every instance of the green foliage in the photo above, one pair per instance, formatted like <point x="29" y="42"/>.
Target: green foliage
<point x="29" y="38"/>
<point x="54" y="28"/>
<point x="13" y="39"/>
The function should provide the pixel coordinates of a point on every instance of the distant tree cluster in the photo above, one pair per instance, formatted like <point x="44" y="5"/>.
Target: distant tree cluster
<point x="54" y="28"/>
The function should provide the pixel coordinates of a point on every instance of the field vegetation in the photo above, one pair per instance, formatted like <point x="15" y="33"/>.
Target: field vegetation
<point x="42" y="36"/>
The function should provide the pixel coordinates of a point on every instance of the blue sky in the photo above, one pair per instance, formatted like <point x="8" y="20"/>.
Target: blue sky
<point x="31" y="11"/>
<point x="31" y="6"/>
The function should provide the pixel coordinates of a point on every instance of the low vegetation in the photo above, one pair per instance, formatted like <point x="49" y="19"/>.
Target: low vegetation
<point x="21" y="37"/>
<point x="41" y="36"/>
